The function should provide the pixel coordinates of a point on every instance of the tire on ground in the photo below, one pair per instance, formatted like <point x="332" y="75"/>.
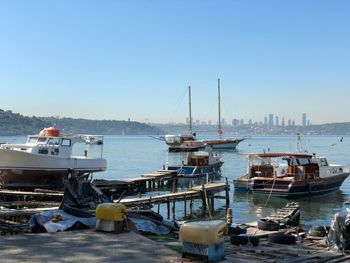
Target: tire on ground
<point x="318" y="231"/>
<point x="236" y="230"/>
<point x="268" y="225"/>
<point x="281" y="238"/>
<point x="244" y="240"/>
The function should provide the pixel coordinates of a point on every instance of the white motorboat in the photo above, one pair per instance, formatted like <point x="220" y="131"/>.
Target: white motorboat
<point x="43" y="160"/>
<point x="93" y="139"/>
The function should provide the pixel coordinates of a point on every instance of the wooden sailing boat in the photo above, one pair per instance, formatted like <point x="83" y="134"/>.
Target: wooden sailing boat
<point x="221" y="143"/>
<point x="185" y="142"/>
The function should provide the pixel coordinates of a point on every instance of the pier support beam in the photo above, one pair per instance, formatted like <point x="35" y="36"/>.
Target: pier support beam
<point x="227" y="194"/>
<point x="168" y="207"/>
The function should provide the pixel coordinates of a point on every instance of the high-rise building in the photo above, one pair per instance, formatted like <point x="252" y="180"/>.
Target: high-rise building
<point x="235" y="122"/>
<point x="283" y="122"/>
<point x="270" y="119"/>
<point x="303" y="117"/>
<point x="265" y="121"/>
<point x="276" y="119"/>
<point x="289" y="122"/>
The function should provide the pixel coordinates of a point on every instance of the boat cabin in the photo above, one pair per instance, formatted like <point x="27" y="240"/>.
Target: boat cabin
<point x="178" y="139"/>
<point x="202" y="158"/>
<point x="61" y="146"/>
<point x="48" y="142"/>
<point x="297" y="166"/>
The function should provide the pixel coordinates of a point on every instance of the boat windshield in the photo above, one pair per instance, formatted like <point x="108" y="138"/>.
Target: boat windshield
<point x="54" y="141"/>
<point x="32" y="139"/>
<point x="42" y="140"/>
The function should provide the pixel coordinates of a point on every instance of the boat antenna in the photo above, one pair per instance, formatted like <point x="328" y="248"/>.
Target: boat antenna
<point x="219" y="130"/>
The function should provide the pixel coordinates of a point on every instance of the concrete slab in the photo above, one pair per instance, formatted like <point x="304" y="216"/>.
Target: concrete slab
<point x="84" y="246"/>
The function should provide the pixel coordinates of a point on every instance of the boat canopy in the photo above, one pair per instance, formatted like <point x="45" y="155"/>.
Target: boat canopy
<point x="288" y="155"/>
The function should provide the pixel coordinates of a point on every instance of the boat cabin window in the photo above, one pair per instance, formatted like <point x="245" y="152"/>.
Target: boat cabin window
<point x="55" y="151"/>
<point x="54" y="141"/>
<point x="32" y="139"/>
<point x="66" y="142"/>
<point x="303" y="161"/>
<point x="324" y="162"/>
<point x="42" y="140"/>
<point x="43" y="150"/>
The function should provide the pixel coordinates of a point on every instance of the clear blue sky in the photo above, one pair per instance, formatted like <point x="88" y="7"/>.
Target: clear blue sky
<point x="119" y="59"/>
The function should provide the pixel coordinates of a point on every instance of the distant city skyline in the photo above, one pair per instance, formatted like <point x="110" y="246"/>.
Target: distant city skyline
<point x="120" y="60"/>
<point x="267" y="121"/>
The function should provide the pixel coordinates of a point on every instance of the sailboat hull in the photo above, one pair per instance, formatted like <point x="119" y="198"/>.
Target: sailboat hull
<point x="223" y="144"/>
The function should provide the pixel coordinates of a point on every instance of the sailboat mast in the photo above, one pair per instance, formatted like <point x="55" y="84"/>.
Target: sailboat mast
<point x="219" y="131"/>
<point x="189" y="106"/>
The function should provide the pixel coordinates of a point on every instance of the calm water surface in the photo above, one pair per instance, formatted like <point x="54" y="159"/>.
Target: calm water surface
<point x="131" y="156"/>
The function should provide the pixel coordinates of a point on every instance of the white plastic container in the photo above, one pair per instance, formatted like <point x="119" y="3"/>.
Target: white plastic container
<point x="203" y="232"/>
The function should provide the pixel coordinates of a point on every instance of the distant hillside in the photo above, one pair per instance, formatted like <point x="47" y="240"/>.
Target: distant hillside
<point x="17" y="124"/>
<point x="105" y="127"/>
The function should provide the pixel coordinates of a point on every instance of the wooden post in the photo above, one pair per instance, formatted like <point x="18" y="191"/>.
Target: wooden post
<point x="158" y="205"/>
<point x="173" y="210"/>
<point x="212" y="203"/>
<point x="227" y="193"/>
<point x="174" y="186"/>
<point x="168" y="207"/>
<point x="191" y="206"/>
<point x="150" y="201"/>
<point x="229" y="216"/>
<point x="204" y="206"/>
<point x="185" y="205"/>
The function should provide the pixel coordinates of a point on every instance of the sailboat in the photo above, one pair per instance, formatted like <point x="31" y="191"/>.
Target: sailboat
<point x="221" y="143"/>
<point x="185" y="142"/>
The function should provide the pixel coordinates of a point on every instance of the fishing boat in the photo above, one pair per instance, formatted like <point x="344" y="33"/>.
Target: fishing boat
<point x="44" y="159"/>
<point x="290" y="174"/>
<point x="221" y="143"/>
<point x="198" y="164"/>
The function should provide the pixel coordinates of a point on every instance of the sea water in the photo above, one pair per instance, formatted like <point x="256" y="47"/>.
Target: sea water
<point x="131" y="156"/>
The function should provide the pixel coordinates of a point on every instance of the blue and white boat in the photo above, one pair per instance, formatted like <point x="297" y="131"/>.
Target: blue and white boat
<point x="199" y="164"/>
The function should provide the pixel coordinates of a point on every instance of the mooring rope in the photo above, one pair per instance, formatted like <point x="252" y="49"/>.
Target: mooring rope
<point x="268" y="198"/>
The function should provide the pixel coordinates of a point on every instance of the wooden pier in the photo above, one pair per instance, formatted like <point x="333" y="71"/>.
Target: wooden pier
<point x="146" y="182"/>
<point x="205" y="192"/>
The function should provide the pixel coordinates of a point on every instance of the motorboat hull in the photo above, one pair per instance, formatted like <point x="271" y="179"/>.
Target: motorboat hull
<point x="195" y="171"/>
<point x="290" y="188"/>
<point x="20" y="169"/>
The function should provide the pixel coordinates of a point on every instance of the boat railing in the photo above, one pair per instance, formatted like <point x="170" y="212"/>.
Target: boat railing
<point x="15" y="146"/>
